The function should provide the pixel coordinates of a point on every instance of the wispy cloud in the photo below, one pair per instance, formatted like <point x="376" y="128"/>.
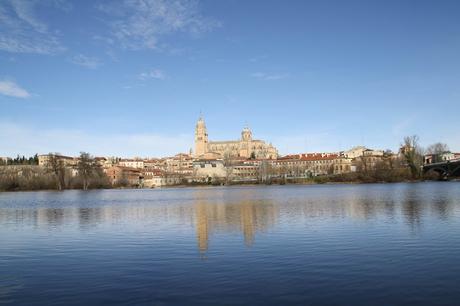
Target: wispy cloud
<point x="139" y="24"/>
<point x="21" y="31"/>
<point x="11" y="89"/>
<point x="268" y="76"/>
<point x="86" y="61"/>
<point x="152" y="74"/>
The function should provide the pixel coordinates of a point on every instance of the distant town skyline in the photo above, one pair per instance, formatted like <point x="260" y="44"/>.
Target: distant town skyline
<point x="130" y="78"/>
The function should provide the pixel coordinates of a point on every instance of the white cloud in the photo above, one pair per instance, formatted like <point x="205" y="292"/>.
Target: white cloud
<point x="86" y="61"/>
<point x="22" y="32"/>
<point x="268" y="77"/>
<point x="9" y="88"/>
<point x="139" y="24"/>
<point x="27" y="140"/>
<point x="152" y="74"/>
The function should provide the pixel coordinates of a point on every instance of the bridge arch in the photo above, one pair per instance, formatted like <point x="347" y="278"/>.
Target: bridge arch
<point x="440" y="170"/>
<point x="455" y="172"/>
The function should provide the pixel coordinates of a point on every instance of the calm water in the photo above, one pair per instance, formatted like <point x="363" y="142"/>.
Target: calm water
<point x="339" y="244"/>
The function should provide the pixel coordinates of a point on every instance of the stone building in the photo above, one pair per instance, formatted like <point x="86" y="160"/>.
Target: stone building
<point x="246" y="147"/>
<point x="180" y="163"/>
<point x="131" y="163"/>
<point x="309" y="164"/>
<point x="68" y="161"/>
<point x="209" y="168"/>
<point x="124" y="175"/>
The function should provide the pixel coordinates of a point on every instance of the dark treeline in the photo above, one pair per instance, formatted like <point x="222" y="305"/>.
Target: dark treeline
<point x="20" y="160"/>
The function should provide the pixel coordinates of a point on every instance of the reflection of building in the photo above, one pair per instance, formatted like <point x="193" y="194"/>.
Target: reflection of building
<point x="201" y="224"/>
<point x="245" y="147"/>
<point x="247" y="217"/>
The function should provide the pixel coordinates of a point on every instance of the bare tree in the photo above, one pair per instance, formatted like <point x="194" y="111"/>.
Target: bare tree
<point x="413" y="155"/>
<point x="229" y="163"/>
<point x="55" y="165"/>
<point x="437" y="148"/>
<point x="86" y="168"/>
<point x="265" y="172"/>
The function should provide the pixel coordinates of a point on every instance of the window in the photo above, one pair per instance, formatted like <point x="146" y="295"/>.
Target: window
<point x="214" y="165"/>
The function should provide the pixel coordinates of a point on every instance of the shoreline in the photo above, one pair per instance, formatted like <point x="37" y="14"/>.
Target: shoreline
<point x="231" y="185"/>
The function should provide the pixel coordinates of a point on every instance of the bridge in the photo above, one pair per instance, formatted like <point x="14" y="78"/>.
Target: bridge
<point x="445" y="169"/>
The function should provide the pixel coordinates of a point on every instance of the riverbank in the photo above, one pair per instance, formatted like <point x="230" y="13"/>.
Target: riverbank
<point x="46" y="183"/>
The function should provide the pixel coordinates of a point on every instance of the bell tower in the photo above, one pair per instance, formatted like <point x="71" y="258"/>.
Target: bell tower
<point x="245" y="143"/>
<point x="246" y="134"/>
<point x="201" y="138"/>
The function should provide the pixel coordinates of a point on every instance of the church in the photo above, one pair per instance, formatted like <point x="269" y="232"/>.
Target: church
<point x="246" y="147"/>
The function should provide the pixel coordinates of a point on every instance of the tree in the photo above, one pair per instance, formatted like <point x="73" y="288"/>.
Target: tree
<point x="437" y="149"/>
<point x="228" y="164"/>
<point x="55" y="165"/>
<point x="86" y="168"/>
<point x="265" y="171"/>
<point x="413" y="155"/>
<point x="33" y="160"/>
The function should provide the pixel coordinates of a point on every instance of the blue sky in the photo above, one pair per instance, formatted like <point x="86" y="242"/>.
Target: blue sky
<point x="129" y="78"/>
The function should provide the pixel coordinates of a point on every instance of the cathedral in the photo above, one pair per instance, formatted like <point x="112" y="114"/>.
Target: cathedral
<point x="246" y="147"/>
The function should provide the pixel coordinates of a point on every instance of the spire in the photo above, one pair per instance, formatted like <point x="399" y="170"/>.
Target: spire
<point x="200" y="122"/>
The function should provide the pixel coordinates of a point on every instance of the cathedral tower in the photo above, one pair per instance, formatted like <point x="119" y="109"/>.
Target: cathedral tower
<point x="246" y="134"/>
<point x="245" y="143"/>
<point x="201" y="138"/>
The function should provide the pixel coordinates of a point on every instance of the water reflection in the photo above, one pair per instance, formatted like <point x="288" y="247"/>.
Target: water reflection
<point x="247" y="211"/>
<point x="395" y="243"/>
<point x="246" y="217"/>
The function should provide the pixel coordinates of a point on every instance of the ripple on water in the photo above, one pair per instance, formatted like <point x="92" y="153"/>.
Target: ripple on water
<point x="332" y="244"/>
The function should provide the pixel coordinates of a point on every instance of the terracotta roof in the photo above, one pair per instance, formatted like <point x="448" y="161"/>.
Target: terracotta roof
<point x="309" y="156"/>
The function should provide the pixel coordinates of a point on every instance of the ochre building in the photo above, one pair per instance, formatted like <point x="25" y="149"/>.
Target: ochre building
<point x="246" y="147"/>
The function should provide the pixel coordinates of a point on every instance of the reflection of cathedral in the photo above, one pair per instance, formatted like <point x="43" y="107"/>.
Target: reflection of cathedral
<point x="246" y="147"/>
<point x="247" y="217"/>
<point x="201" y="227"/>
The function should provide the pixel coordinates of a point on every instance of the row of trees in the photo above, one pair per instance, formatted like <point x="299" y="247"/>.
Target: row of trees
<point x="408" y="165"/>
<point x="56" y="174"/>
<point x="20" y="160"/>
<point x="25" y="178"/>
<point x="88" y="172"/>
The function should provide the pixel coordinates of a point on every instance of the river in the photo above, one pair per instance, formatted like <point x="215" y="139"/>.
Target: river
<point x="380" y="244"/>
